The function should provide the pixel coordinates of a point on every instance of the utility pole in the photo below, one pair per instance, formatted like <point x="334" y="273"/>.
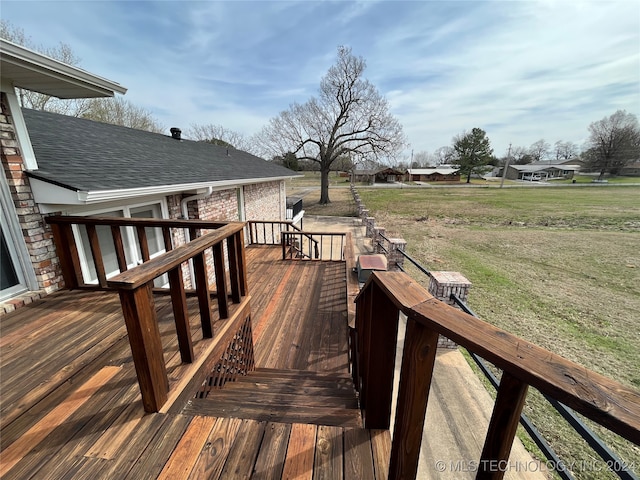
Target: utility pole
<point x="506" y="166"/>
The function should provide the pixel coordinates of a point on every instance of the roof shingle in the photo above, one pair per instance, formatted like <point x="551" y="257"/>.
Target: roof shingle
<point x="85" y="155"/>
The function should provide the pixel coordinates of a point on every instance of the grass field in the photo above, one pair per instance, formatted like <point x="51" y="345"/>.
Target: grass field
<point x="557" y="266"/>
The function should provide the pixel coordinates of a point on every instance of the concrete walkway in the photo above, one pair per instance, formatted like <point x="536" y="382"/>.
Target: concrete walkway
<point x="459" y="407"/>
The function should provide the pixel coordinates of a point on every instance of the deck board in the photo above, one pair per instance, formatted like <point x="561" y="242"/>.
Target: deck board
<point x="53" y="348"/>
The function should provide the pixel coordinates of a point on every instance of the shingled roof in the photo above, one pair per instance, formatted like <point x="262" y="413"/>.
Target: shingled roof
<point x="83" y="155"/>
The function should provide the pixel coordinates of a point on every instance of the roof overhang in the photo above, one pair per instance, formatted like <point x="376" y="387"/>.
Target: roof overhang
<point x="51" y="197"/>
<point x="34" y="71"/>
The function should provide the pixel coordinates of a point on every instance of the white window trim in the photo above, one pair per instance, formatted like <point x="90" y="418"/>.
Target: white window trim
<point x="129" y="239"/>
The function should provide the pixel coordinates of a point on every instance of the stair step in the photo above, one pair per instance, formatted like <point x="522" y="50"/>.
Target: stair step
<point x="277" y="373"/>
<point x="256" y="410"/>
<point x="259" y="387"/>
<point x="289" y="396"/>
<point x="279" y="398"/>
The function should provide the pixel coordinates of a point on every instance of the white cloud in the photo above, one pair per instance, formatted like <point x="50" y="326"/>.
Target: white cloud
<point x="522" y="70"/>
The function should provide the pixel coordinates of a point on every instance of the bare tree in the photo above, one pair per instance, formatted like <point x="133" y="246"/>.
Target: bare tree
<point x="445" y="155"/>
<point x="119" y="111"/>
<point x="565" y="151"/>
<point x="520" y="156"/>
<point x="218" y="135"/>
<point x="109" y="110"/>
<point x="539" y="150"/>
<point x="421" y="159"/>
<point x="613" y="142"/>
<point x="61" y="52"/>
<point x="348" y="118"/>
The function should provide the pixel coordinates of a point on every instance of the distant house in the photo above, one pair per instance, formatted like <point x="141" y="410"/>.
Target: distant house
<point x="631" y="170"/>
<point x="380" y="175"/>
<point x="437" y="174"/>
<point x="56" y="164"/>
<point x="541" y="171"/>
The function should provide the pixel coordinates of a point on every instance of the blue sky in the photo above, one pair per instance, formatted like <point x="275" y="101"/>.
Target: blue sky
<point x="521" y="70"/>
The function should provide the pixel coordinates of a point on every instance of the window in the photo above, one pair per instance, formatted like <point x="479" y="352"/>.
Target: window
<point x="130" y="242"/>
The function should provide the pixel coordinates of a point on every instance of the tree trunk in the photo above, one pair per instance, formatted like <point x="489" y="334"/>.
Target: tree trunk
<point x="469" y="177"/>
<point x="324" y="186"/>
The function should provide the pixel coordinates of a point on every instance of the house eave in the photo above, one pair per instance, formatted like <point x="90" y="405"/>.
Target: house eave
<point x="31" y="70"/>
<point x="50" y="196"/>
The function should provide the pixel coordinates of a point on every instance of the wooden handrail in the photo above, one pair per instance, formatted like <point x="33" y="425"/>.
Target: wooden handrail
<point x="167" y="261"/>
<point x="288" y="248"/>
<point x="137" y="222"/>
<point x="135" y="287"/>
<point x="524" y="364"/>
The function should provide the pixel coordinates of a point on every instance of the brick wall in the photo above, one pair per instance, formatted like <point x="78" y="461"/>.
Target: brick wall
<point x="37" y="235"/>
<point x="265" y="201"/>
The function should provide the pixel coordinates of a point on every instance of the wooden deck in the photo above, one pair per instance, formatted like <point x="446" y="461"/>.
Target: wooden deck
<point x="70" y="403"/>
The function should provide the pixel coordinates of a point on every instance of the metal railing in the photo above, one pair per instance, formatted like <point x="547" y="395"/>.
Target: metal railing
<point x="523" y="364"/>
<point x="615" y="463"/>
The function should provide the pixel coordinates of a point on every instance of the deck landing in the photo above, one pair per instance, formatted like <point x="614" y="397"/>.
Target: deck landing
<point x="71" y="405"/>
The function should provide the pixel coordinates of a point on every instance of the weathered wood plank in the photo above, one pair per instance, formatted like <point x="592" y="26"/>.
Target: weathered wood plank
<point x="146" y="347"/>
<point x="358" y="459"/>
<point x="181" y="315"/>
<point x="243" y="454"/>
<point x="221" y="280"/>
<point x="271" y="456"/>
<point x="152" y="461"/>
<point x="298" y="463"/>
<point x="96" y="252"/>
<point x="381" y="448"/>
<point x="108" y="445"/>
<point x="380" y="357"/>
<point x="67" y="253"/>
<point x="502" y="427"/>
<point x="255" y="409"/>
<point x="17" y="450"/>
<point x="143" y="242"/>
<point x="204" y="296"/>
<point x="216" y="449"/>
<point x="418" y="359"/>
<point x="188" y="449"/>
<point x="55" y="455"/>
<point x="116" y="234"/>
<point x="329" y="454"/>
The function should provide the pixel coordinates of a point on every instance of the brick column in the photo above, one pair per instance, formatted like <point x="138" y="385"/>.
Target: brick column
<point x="394" y="258"/>
<point x="441" y="286"/>
<point x="377" y="239"/>
<point x="370" y="223"/>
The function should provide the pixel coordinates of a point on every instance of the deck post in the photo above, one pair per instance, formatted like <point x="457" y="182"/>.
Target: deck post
<point x="418" y="359"/>
<point x="146" y="346"/>
<point x="505" y="418"/>
<point x="204" y="299"/>
<point x="242" y="263"/>
<point x="221" y="280"/>
<point x="234" y="268"/>
<point x="381" y="354"/>
<point x="181" y="314"/>
<point x="363" y="334"/>
<point x="67" y="253"/>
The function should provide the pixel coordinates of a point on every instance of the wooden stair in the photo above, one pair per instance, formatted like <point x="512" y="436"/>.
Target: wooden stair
<point x="285" y="396"/>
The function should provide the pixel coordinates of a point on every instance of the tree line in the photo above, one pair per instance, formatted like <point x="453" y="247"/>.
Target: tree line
<point x="346" y="126"/>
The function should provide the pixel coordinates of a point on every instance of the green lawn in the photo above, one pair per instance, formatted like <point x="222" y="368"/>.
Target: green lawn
<point x="557" y="266"/>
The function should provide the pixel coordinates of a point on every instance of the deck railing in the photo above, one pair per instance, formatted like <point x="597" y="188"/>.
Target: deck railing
<point x="378" y="305"/>
<point x="224" y="246"/>
<point x="313" y="245"/>
<point x="67" y="242"/>
<point x="297" y="243"/>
